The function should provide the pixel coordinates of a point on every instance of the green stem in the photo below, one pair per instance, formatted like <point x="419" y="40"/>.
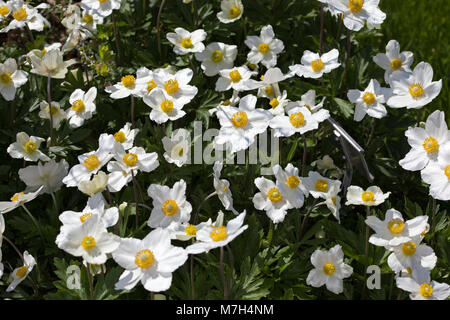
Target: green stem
<point x="366" y="253"/>
<point x="91" y="285"/>
<point x="158" y="31"/>
<point x="34" y="221"/>
<point x="49" y="101"/>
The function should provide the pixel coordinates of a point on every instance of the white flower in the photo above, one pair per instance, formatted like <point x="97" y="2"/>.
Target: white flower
<point x="298" y="120"/>
<point x="437" y="175"/>
<point x="169" y="205"/>
<point x="19" y="274"/>
<point x="329" y="269"/>
<point x="222" y="187"/>
<point x="126" y="87"/>
<point x="394" y="231"/>
<point x="186" y="231"/>
<point x="127" y="164"/>
<point x="370" y="101"/>
<point x="234" y="100"/>
<point x="373" y="196"/>
<point x="11" y="78"/>
<point x="333" y="200"/>
<point x="174" y="85"/>
<point x="51" y="64"/>
<point x="424" y="290"/>
<point x="82" y="106"/>
<point x="186" y="42"/>
<point x="412" y="255"/>
<point x="5" y="9"/>
<point x="308" y="100"/>
<point x="27" y="147"/>
<point x="413" y="90"/>
<point x="232" y="10"/>
<point x="94" y="186"/>
<point x="426" y="142"/>
<point x="325" y="163"/>
<point x="145" y="81"/>
<point x="25" y="16"/>
<point x="264" y="48"/>
<point x="393" y="59"/>
<point x="268" y="87"/>
<point x="318" y="186"/>
<point x="290" y="184"/>
<point x="89" y="20"/>
<point x="17" y="200"/>
<point x="150" y="261"/>
<point x="271" y="200"/>
<point x="278" y="104"/>
<point x="125" y="136"/>
<point x="218" y="235"/>
<point x="177" y="147"/>
<point x="355" y="12"/>
<point x="164" y="107"/>
<point x="58" y="114"/>
<point x="314" y="65"/>
<point x="237" y="78"/>
<point x="90" y="240"/>
<point x="49" y="175"/>
<point x="216" y="56"/>
<point x="103" y="7"/>
<point x="239" y="126"/>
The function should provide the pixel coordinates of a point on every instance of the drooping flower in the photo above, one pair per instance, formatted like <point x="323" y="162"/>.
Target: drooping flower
<point x="178" y="147"/>
<point x="49" y="175"/>
<point x="187" y="42"/>
<point x="27" y="147"/>
<point x="19" y="274"/>
<point x="186" y="231"/>
<point x="58" y="114"/>
<point x="314" y="65"/>
<point x="17" y="200"/>
<point x="11" y="78"/>
<point x="319" y="186"/>
<point x="264" y="48"/>
<point x="82" y="106"/>
<point x="51" y="64"/>
<point x="222" y="187"/>
<point x="217" y="56"/>
<point x="373" y="196"/>
<point x="97" y="184"/>
<point x="393" y="59"/>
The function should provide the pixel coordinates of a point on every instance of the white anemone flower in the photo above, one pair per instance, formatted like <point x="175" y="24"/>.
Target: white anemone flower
<point x="426" y="142"/>
<point x="125" y="136"/>
<point x="51" y="64"/>
<point x="222" y="187"/>
<point x="237" y="78"/>
<point x="216" y="56"/>
<point x="233" y="101"/>
<point x="239" y="126"/>
<point x="333" y="200"/>
<point x="178" y="147"/>
<point x="11" y="78"/>
<point x="325" y="163"/>
<point x="329" y="269"/>
<point x="413" y="90"/>
<point x="218" y="235"/>
<point x="144" y="79"/>
<point x="25" y="15"/>
<point x="370" y="101"/>
<point x="290" y="184"/>
<point x="5" y="9"/>
<point x="97" y="184"/>
<point x="437" y="175"/>
<point x="58" y="114"/>
<point x="231" y="10"/>
<point x="308" y="100"/>
<point x="264" y="48"/>
<point x="426" y="290"/>
<point x="373" y="196"/>
<point x="393" y="59"/>
<point x="17" y="200"/>
<point x="319" y="186"/>
<point x="268" y="86"/>
<point x="82" y="106"/>
<point x="175" y="85"/>
<point x="126" y="87"/>
<point x="89" y="240"/>
<point x="186" y="231"/>
<point x="27" y="147"/>
<point x="314" y="65"/>
<point x="169" y="205"/>
<point x="103" y="7"/>
<point x="164" y="107"/>
<point x="271" y="199"/>
<point x="278" y="104"/>
<point x="187" y="42"/>
<point x="150" y="261"/>
<point x="49" y="175"/>
<point x="394" y="231"/>
<point x="19" y="274"/>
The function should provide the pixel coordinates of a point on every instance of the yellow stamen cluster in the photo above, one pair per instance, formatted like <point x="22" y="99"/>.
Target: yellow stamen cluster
<point x="186" y="43"/>
<point x="171" y="86"/>
<point x="151" y="85"/>
<point x="317" y="65"/>
<point x="426" y="290"/>
<point x="78" y="105"/>
<point x="30" y="147"/>
<point x="447" y="171"/>
<point x="5" y="78"/>
<point x="274" y="195"/>
<point x="297" y="119"/>
<point x="4" y="10"/>
<point x="367" y="196"/>
<point x="84" y="217"/>
<point x="91" y="162"/>
<point x="219" y="233"/>
<point x="293" y="182"/>
<point x="269" y="91"/>
<point x="409" y="248"/>
<point x="274" y="103"/>
<point x="87" y="18"/>
<point x="329" y="269"/>
<point x="263" y="48"/>
<point x="144" y="259"/>
<point x="167" y="106"/>
<point x="396" y="64"/>
<point x="321" y="185"/>
<point x="430" y="145"/>
<point x="368" y="97"/>
<point x="235" y="76"/>
<point x="88" y="243"/>
<point x="355" y="6"/>
<point x="22" y="271"/>
<point x="416" y="90"/>
<point x="130" y="159"/>
<point x="190" y="230"/>
<point x="120" y="137"/>
<point x="239" y="119"/>
<point x="170" y="207"/>
<point x="15" y="197"/>
<point x="396" y="226"/>
<point x="20" y="14"/>
<point x="128" y="81"/>
<point x="234" y="12"/>
<point x="217" y="56"/>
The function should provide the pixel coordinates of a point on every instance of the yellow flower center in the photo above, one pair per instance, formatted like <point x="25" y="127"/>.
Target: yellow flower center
<point x="425" y="230"/>
<point x="235" y="12"/>
<point x="167" y="106"/>
<point x="171" y="86"/>
<point x="239" y="119"/>
<point x="87" y="18"/>
<point x="216" y="56"/>
<point x="261" y="78"/>
<point x="321" y="185"/>
<point x="54" y="110"/>
<point x="447" y="171"/>
<point x="88" y="243"/>
<point x="120" y="137"/>
<point x="186" y="43"/>
<point x="22" y="271"/>
<point x="396" y="226"/>
<point x="317" y="65"/>
<point x="274" y="195"/>
<point x="91" y="162"/>
<point x="15" y="197"/>
<point x="170" y="207"/>
<point x="368" y="98"/>
<point x="20" y="14"/>
<point x="128" y="81"/>
<point x="225" y="188"/>
<point x="235" y="76"/>
<point x="269" y="91"/>
<point x="297" y="119"/>
<point x="101" y="1"/>
<point x="263" y="47"/>
<point x="178" y="150"/>
<point x="334" y="200"/>
<point x="219" y="233"/>
<point x="396" y="64"/>
<point x="4" y="10"/>
<point x="144" y="259"/>
<point x="78" y="105"/>
<point x="43" y="51"/>
<point x="226" y="102"/>
<point x="367" y="196"/>
<point x="431" y="145"/>
<point x="84" y="217"/>
<point x="409" y="270"/>
<point x="151" y="85"/>
<point x="355" y="5"/>
<point x="5" y="78"/>
<point x="416" y="90"/>
<point x="329" y="269"/>
<point x="190" y="230"/>
<point x="130" y="159"/>
<point x="30" y="147"/>
<point x="426" y="290"/>
<point x="274" y="103"/>
<point x="409" y="248"/>
<point x="293" y="182"/>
